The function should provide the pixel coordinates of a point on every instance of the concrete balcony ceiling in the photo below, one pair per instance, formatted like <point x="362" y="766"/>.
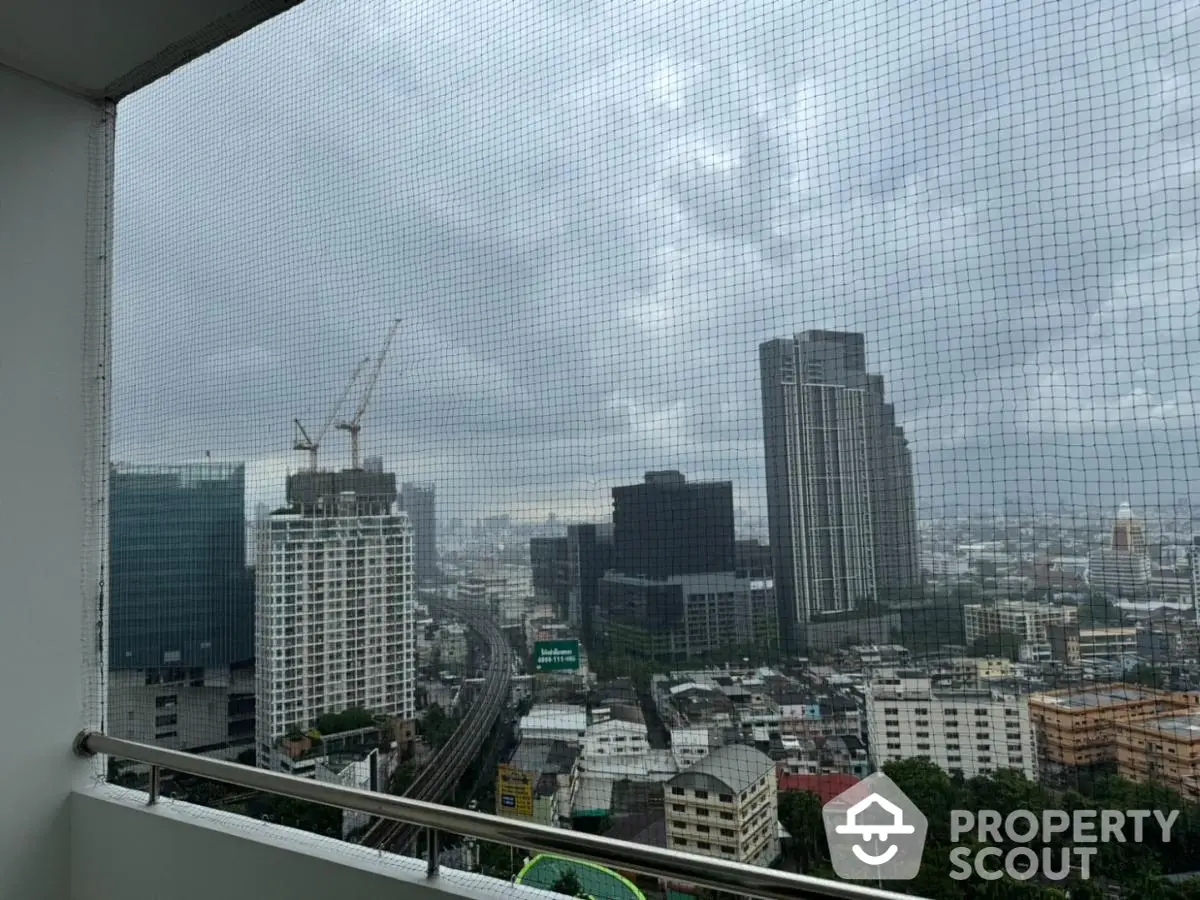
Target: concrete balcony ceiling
<point x="107" y="50"/>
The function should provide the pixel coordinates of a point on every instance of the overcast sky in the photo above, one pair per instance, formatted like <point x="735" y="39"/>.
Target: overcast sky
<point x="590" y="214"/>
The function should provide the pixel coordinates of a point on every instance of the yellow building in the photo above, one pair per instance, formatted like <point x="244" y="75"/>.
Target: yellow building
<point x="1077" y="726"/>
<point x="1164" y="750"/>
<point x="993" y="669"/>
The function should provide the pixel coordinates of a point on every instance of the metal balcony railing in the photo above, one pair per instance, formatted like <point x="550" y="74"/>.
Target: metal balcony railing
<point x="704" y="871"/>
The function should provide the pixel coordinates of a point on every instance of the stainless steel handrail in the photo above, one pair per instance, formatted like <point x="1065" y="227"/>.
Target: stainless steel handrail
<point x="689" y="868"/>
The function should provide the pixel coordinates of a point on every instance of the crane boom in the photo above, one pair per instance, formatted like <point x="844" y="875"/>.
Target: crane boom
<point x="354" y="425"/>
<point x="345" y="393"/>
<point x="313" y="445"/>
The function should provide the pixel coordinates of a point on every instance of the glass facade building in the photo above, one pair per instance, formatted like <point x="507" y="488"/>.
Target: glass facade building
<point x="420" y="502"/>
<point x="179" y="595"/>
<point x="669" y="526"/>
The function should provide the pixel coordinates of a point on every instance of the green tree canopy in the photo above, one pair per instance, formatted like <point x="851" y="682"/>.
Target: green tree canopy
<point x="800" y="816"/>
<point x="436" y="727"/>
<point x="348" y="720"/>
<point x="568" y="883"/>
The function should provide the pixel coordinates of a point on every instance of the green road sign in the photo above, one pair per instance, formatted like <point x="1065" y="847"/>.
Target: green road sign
<point x="556" y="656"/>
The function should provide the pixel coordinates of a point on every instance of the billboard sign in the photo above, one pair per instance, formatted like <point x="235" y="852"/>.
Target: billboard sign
<point x="556" y="656"/>
<point x="514" y="793"/>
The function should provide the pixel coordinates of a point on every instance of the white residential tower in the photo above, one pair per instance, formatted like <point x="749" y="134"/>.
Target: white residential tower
<point x="334" y="617"/>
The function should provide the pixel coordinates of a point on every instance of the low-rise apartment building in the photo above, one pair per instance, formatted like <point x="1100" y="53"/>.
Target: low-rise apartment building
<point x="603" y="780"/>
<point x="1163" y="750"/>
<point x="726" y="806"/>
<point x="453" y="647"/>
<point x="965" y="732"/>
<point x="843" y="754"/>
<point x="554" y="722"/>
<point x="690" y="745"/>
<point x="1168" y="642"/>
<point x="1028" y="621"/>
<point x="538" y="781"/>
<point x="817" y="717"/>
<point x="623" y="736"/>
<point x="990" y="668"/>
<point x="1107" y="643"/>
<point x="1077" y="726"/>
<point x="1074" y="646"/>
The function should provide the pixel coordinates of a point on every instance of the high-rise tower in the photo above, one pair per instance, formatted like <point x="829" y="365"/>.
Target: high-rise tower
<point x="840" y="496"/>
<point x="179" y="592"/>
<point x="420" y="502"/>
<point x="1128" y="533"/>
<point x="335" y="604"/>
<point x="181" y="608"/>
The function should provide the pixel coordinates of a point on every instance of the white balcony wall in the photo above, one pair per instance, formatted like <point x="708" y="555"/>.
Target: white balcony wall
<point x="60" y="63"/>
<point x="51" y="141"/>
<point x="122" y="849"/>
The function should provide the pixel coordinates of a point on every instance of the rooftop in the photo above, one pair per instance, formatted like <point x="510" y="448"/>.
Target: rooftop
<point x="737" y="766"/>
<point x="649" y="828"/>
<point x="1180" y="727"/>
<point x="1095" y="697"/>
<point x="824" y="786"/>
<point x="555" y="716"/>
<point x="557" y="757"/>
<point x="618" y="712"/>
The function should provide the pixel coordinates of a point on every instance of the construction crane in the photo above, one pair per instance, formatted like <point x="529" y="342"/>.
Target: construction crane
<point x="354" y="424"/>
<point x="313" y="445"/>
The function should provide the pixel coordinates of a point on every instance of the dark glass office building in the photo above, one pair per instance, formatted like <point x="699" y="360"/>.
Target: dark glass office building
<point x="420" y="502"/>
<point x="550" y="560"/>
<point x="753" y="559"/>
<point x="179" y="594"/>
<point x="589" y="556"/>
<point x="668" y="526"/>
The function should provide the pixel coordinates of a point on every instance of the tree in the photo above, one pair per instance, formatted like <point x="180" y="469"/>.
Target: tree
<point x="498" y="860"/>
<point x="1186" y="890"/>
<point x="436" y="727"/>
<point x="568" y="883"/>
<point x="403" y="778"/>
<point x="800" y="816"/>
<point x="314" y="817"/>
<point x="1007" y="791"/>
<point x="1099" y="611"/>
<point x="1134" y="868"/>
<point x="931" y="790"/>
<point x="347" y="720"/>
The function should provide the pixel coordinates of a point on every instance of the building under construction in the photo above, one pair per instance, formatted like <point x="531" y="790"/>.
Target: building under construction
<point x="359" y="490"/>
<point x="334" y="617"/>
<point x="350" y="492"/>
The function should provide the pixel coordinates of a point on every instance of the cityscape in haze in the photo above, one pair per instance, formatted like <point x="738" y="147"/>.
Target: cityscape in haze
<point x="655" y="421"/>
<point x="612" y="675"/>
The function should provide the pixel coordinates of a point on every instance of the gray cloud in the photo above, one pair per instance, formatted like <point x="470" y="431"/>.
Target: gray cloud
<point x="589" y="215"/>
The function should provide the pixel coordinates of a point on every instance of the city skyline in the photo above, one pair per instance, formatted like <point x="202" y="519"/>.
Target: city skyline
<point x="705" y="434"/>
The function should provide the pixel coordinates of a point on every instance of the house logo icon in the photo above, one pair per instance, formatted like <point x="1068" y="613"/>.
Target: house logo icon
<point x="875" y="832"/>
